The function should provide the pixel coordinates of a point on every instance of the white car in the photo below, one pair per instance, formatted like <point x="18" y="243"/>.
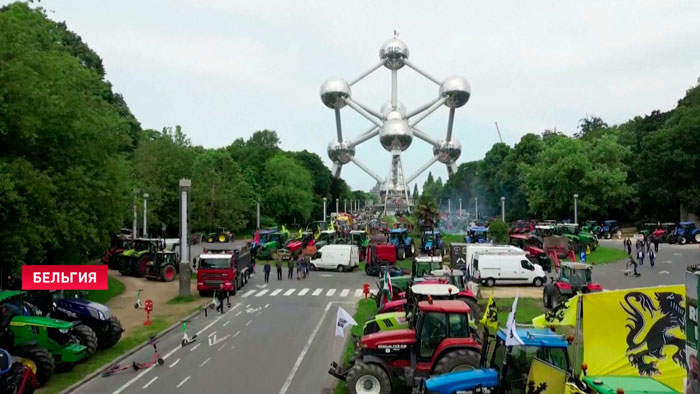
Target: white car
<point x="507" y="268"/>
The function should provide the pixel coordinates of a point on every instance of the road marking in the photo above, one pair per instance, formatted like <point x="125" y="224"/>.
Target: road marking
<point x="145" y="386"/>
<point x="275" y="292"/>
<point x="221" y="347"/>
<point x="326" y="276"/>
<point x="238" y="313"/>
<point x="236" y="334"/>
<point x="212" y="333"/>
<point x="174" y="364"/>
<point x="317" y="292"/>
<point x="261" y="286"/>
<point x="235" y="306"/>
<point x="344" y="293"/>
<point x="248" y="293"/>
<point x="204" y="362"/>
<point x="667" y="262"/>
<point x="358" y="293"/>
<point x="305" y="350"/>
<point x="303" y="291"/>
<point x="261" y="293"/>
<point x="289" y="292"/>
<point x="266" y="305"/>
<point x="678" y="254"/>
<point x="249" y="321"/>
<point x="664" y="272"/>
<point x="330" y="292"/>
<point x="183" y="382"/>
<point x="226" y="324"/>
<point x="195" y="347"/>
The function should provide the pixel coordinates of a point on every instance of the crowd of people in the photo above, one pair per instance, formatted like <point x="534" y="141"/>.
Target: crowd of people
<point x="644" y="247"/>
<point x="303" y="266"/>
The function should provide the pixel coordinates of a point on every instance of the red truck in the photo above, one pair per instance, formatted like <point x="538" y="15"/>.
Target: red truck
<point x="224" y="264"/>
<point x="378" y="256"/>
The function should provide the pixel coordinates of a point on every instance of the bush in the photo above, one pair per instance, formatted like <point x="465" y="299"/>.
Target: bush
<point x="498" y="231"/>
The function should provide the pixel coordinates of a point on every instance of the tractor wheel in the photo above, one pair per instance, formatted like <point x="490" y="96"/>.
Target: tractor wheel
<point x="475" y="308"/>
<point x="547" y="297"/>
<point x="556" y="297"/>
<point x="368" y="379"/>
<point x="113" y="262"/>
<point x="607" y="235"/>
<point x="682" y="240"/>
<point x="167" y="273"/>
<point x="41" y="358"/>
<point x="142" y="265"/>
<point x="401" y="254"/>
<point x="15" y="376"/>
<point x="86" y="337"/>
<point x="696" y="237"/>
<point x="123" y="264"/>
<point x="234" y="286"/>
<point x="110" y="334"/>
<point x="457" y="360"/>
<point x="273" y="254"/>
<point x="412" y="249"/>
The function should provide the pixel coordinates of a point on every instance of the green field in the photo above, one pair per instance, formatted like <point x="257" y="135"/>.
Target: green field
<point x="604" y="255"/>
<point x="114" y="288"/>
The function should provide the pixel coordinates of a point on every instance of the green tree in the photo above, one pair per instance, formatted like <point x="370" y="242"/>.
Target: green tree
<point x="64" y="179"/>
<point x="590" y="125"/>
<point x="253" y="153"/>
<point x="288" y="190"/>
<point x="498" y="231"/>
<point x="320" y="175"/>
<point x="427" y="210"/>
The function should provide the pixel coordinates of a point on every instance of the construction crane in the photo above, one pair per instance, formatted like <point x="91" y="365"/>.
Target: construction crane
<point x="499" y="132"/>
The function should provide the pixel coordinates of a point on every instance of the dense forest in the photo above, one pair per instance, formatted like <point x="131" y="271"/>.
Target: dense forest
<point x="645" y="169"/>
<point x="74" y="159"/>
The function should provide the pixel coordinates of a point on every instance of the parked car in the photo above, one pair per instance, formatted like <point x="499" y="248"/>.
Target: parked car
<point x="337" y="257"/>
<point x="507" y="268"/>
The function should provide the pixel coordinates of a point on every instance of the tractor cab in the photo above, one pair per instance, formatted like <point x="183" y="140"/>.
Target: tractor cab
<point x="423" y="265"/>
<point x="686" y="232"/>
<point x="573" y="278"/>
<point x="402" y="241"/>
<point x="648" y="228"/>
<point x="432" y="243"/>
<point x="163" y="267"/>
<point x="477" y="234"/>
<point x="590" y="226"/>
<point x="608" y="229"/>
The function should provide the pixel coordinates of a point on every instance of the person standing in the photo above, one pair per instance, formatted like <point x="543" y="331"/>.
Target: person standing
<point x="627" y="246"/>
<point x="290" y="266"/>
<point x="278" y="265"/>
<point x="640" y="256"/>
<point x="656" y="245"/>
<point x="267" y="271"/>
<point x="220" y="296"/>
<point x="652" y="256"/>
<point x="307" y="266"/>
<point x="299" y="267"/>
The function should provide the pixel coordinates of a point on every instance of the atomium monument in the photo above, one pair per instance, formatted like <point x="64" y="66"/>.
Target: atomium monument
<point x="395" y="126"/>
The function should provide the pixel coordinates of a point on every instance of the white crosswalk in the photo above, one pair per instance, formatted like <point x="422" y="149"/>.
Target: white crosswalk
<point x="343" y="293"/>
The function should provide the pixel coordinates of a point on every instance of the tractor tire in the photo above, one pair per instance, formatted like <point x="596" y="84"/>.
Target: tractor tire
<point x="697" y="238"/>
<point x="142" y="265"/>
<point x="556" y="297"/>
<point x="234" y="286"/>
<point x="167" y="273"/>
<point x="607" y="235"/>
<point x="682" y="240"/>
<point x="273" y="254"/>
<point x="123" y="264"/>
<point x="86" y="337"/>
<point x="547" y="297"/>
<point x="475" y="308"/>
<point x="41" y="358"/>
<point x="110" y="334"/>
<point x="367" y="378"/>
<point x="401" y="254"/>
<point x="15" y="377"/>
<point x="113" y="262"/>
<point x="412" y="249"/>
<point x="457" y="360"/>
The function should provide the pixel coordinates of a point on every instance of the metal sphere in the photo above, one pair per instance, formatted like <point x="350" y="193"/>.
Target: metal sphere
<point x="340" y="152"/>
<point x="387" y="109"/>
<point x="447" y="151"/>
<point x="396" y="134"/>
<point x="334" y="91"/>
<point x="393" y="52"/>
<point x="457" y="91"/>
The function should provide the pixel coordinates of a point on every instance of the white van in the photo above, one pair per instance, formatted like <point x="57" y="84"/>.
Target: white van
<point x="507" y="268"/>
<point x="473" y="249"/>
<point x="337" y="257"/>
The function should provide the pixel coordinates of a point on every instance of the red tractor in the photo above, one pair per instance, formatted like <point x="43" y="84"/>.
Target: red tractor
<point x="521" y="227"/>
<point x="573" y="278"/>
<point x="439" y="340"/>
<point x="379" y="257"/>
<point x="118" y="243"/>
<point x="530" y="245"/>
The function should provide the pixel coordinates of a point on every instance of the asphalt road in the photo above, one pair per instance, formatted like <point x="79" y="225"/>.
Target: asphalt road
<point x="669" y="269"/>
<point x="274" y="339"/>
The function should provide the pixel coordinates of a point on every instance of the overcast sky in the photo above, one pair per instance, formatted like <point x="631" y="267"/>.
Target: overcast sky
<point x="223" y="69"/>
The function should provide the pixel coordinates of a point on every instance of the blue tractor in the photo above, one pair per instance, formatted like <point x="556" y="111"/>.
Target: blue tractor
<point x="477" y="234"/>
<point x="432" y="243"/>
<point x="500" y="377"/>
<point x="686" y="232"/>
<point x="608" y="229"/>
<point x="403" y="242"/>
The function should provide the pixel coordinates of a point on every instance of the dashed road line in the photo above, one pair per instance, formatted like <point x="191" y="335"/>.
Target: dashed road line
<point x="275" y="292"/>
<point x="174" y="364"/>
<point x="248" y="293"/>
<point x="195" y="347"/>
<point x="236" y="334"/>
<point x="204" y="362"/>
<point x="238" y="313"/>
<point x="220" y="347"/>
<point x="330" y="293"/>
<point x="303" y="291"/>
<point x="249" y="321"/>
<point x="317" y="292"/>
<point x="344" y="293"/>
<point x="289" y="292"/>
<point x="226" y="324"/>
<point x="358" y="293"/>
<point x="145" y="386"/>
<point x="262" y="292"/>
<point x="183" y="382"/>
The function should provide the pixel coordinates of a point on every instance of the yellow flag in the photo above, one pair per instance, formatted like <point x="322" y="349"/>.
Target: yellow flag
<point x="636" y="332"/>
<point x="318" y="232"/>
<point x="563" y="314"/>
<point x="545" y="378"/>
<point x="299" y="234"/>
<point x="284" y="229"/>
<point x="490" y="318"/>
<point x="331" y="226"/>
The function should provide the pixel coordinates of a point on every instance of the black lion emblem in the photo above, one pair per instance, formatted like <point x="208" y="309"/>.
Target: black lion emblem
<point x="644" y="351"/>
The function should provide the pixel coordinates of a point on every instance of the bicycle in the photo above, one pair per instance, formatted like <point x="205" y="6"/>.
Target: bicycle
<point x="138" y="304"/>
<point x="116" y="368"/>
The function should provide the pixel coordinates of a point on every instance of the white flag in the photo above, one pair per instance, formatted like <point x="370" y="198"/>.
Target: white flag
<point x="513" y="339"/>
<point x="343" y="320"/>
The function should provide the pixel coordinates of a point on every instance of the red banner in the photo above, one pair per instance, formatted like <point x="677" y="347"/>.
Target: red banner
<point x="64" y="277"/>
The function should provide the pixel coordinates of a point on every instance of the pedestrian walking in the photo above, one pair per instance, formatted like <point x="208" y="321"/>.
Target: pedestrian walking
<point x="251" y="266"/>
<point x="267" y="271"/>
<point x="220" y="296"/>
<point x="640" y="256"/>
<point x="652" y="257"/>
<point x="307" y="265"/>
<point x="278" y="265"/>
<point x="656" y="245"/>
<point x="299" y="267"/>
<point x="634" y="266"/>
<point x="290" y="266"/>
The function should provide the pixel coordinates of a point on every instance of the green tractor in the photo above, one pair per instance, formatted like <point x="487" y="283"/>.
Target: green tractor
<point x="133" y="262"/>
<point x="164" y="266"/>
<point x="579" y="239"/>
<point x="48" y="343"/>
<point x="360" y="238"/>
<point x="424" y="265"/>
<point x="327" y="237"/>
<point x="272" y="244"/>
<point x="590" y="226"/>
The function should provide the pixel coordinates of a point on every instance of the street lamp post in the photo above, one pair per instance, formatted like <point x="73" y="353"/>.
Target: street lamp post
<point x="145" y="210"/>
<point x="476" y="208"/>
<point x="345" y="205"/>
<point x="449" y="207"/>
<point x="135" y="223"/>
<point x="503" y="209"/>
<point x="575" y="208"/>
<point x="324" y="209"/>
<point x="257" y="210"/>
<point x="460" y="206"/>
<point x="337" y="204"/>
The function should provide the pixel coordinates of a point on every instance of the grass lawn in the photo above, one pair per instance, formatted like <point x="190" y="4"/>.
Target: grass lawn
<point x="183" y="300"/>
<point x="60" y="381"/>
<point x="604" y="255"/>
<point x="115" y="288"/>
<point x="527" y="309"/>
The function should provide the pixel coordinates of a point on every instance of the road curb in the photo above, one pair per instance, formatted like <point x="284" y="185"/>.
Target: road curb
<point x="131" y="351"/>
